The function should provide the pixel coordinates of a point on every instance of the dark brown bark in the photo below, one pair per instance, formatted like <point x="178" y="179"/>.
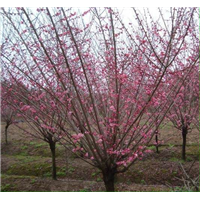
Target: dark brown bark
<point x="184" y="135"/>
<point x="6" y="133"/>
<point x="157" y="150"/>
<point x="109" y="179"/>
<point x="53" y="154"/>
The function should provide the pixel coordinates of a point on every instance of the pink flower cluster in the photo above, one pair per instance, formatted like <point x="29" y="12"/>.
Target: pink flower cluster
<point x="77" y="137"/>
<point x="27" y="107"/>
<point x="50" y="128"/>
<point x="129" y="160"/>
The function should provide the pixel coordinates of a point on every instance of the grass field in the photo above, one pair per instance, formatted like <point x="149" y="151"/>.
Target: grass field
<point x="26" y="166"/>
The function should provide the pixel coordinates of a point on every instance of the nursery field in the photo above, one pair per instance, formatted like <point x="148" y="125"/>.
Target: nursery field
<point x="26" y="166"/>
<point x="91" y="99"/>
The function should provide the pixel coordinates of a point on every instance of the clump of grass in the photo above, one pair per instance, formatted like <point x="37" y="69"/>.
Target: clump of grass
<point x="61" y="172"/>
<point x="174" y="159"/>
<point x="71" y="169"/>
<point x="24" y="147"/>
<point x="84" y="190"/>
<point x="5" y="188"/>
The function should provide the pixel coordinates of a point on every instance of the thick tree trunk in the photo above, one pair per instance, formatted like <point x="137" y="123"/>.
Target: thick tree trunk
<point x="53" y="154"/>
<point x="184" y="135"/>
<point x="109" y="179"/>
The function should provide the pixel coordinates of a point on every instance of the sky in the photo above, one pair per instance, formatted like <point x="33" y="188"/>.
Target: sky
<point x="126" y="13"/>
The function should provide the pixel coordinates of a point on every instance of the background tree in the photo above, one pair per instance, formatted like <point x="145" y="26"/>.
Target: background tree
<point x="185" y="110"/>
<point x="8" y="115"/>
<point x="34" y="109"/>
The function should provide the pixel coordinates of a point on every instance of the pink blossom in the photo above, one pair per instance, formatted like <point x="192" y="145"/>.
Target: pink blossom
<point x="77" y="137"/>
<point x="143" y="41"/>
<point x="86" y="155"/>
<point x="123" y="78"/>
<point x="36" y="118"/>
<point x="112" y="108"/>
<point x="148" y="151"/>
<point x="33" y="110"/>
<point x="99" y="141"/>
<point x="25" y="108"/>
<point x="92" y="158"/>
<point x="122" y="163"/>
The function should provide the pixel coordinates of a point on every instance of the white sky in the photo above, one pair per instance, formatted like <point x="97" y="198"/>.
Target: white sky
<point x="126" y="13"/>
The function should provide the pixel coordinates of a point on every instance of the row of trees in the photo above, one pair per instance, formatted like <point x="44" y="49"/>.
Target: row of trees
<point x="98" y="85"/>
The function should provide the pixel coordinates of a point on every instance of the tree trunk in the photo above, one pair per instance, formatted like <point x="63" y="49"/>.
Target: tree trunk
<point x="109" y="179"/>
<point x="6" y="133"/>
<point x="184" y="135"/>
<point x="157" y="150"/>
<point x="53" y="154"/>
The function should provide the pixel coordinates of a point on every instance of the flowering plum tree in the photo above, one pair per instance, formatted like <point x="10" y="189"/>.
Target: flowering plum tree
<point x="100" y="74"/>
<point x="7" y="113"/>
<point x="185" y="111"/>
<point x="34" y="109"/>
<point x="43" y="122"/>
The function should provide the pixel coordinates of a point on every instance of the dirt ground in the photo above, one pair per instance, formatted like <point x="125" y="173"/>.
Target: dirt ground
<point x="26" y="166"/>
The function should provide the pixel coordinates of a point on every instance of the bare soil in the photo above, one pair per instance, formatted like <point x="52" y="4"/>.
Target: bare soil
<point x="26" y="166"/>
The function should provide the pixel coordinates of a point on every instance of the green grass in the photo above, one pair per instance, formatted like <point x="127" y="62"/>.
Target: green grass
<point x="26" y="163"/>
<point x="24" y="147"/>
<point x="37" y="168"/>
<point x="6" y="188"/>
<point x="71" y="169"/>
<point x="84" y="190"/>
<point x="33" y="148"/>
<point x="61" y="172"/>
<point x="34" y="166"/>
<point x="174" y="159"/>
<point x="152" y="147"/>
